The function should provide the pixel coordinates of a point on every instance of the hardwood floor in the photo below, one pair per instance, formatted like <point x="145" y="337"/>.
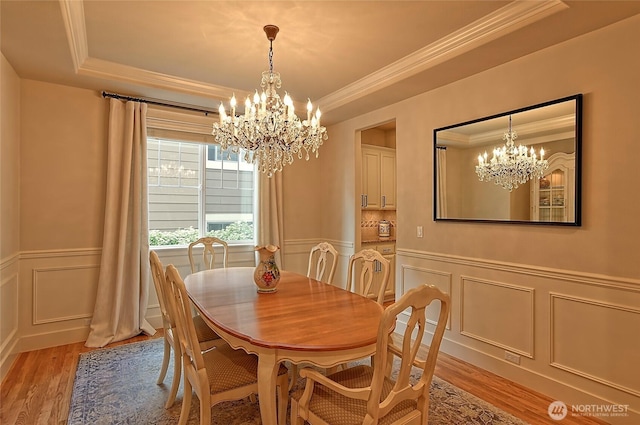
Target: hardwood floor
<point x="37" y="389"/>
<point x="509" y="396"/>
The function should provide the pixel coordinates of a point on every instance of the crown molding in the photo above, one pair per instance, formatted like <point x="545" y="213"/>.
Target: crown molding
<point x="562" y="127"/>
<point x="74" y="23"/>
<point x="503" y="21"/>
<point x="115" y="71"/>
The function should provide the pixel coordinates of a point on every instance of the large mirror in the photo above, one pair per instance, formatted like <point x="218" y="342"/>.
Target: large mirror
<point x="470" y="184"/>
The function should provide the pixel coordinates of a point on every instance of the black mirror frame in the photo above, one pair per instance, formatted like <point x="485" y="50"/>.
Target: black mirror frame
<point x="578" y="166"/>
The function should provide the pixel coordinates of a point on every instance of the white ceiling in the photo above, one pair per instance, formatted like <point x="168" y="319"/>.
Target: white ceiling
<point x="349" y="57"/>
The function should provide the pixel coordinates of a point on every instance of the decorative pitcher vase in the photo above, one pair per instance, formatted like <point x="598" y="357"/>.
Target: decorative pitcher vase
<point x="267" y="275"/>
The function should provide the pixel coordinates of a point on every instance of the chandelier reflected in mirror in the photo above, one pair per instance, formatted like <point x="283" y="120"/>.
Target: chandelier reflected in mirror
<point x="511" y="165"/>
<point x="269" y="133"/>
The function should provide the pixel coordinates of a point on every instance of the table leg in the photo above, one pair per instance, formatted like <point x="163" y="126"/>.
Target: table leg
<point x="267" y="373"/>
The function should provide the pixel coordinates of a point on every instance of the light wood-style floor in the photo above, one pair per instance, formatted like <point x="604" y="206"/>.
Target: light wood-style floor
<point x="37" y="389"/>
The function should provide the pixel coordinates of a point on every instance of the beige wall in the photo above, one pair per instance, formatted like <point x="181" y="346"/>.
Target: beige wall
<point x="565" y="299"/>
<point x="607" y="76"/>
<point x="9" y="211"/>
<point x="10" y="156"/>
<point x="64" y="163"/>
<point x="62" y="197"/>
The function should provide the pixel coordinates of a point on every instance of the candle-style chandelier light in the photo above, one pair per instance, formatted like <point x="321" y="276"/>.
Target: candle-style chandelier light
<point x="511" y="165"/>
<point x="269" y="132"/>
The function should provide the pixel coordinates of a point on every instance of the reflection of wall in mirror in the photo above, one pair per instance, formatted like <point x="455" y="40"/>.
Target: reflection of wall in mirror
<point x="469" y="198"/>
<point x="480" y="200"/>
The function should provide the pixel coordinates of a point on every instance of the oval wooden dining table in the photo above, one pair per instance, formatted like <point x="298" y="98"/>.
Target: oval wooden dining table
<point x="304" y="321"/>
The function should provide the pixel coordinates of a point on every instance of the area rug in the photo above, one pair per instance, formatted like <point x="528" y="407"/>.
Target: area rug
<point x="118" y="386"/>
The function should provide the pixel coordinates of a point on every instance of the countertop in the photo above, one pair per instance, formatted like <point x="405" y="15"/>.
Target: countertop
<point x="378" y="240"/>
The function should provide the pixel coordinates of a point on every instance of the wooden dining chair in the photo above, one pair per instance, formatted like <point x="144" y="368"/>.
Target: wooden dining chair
<point x="208" y="253"/>
<point x="216" y="375"/>
<point x="368" y="274"/>
<point x="365" y="394"/>
<point x="206" y="337"/>
<point x="318" y="260"/>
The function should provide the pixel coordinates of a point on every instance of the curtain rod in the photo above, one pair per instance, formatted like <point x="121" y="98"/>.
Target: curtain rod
<point x="155" y="102"/>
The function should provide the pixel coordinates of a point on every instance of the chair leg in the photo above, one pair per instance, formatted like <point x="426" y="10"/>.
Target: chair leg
<point x="175" y="383"/>
<point x="165" y="362"/>
<point x="186" y="403"/>
<point x="205" y="411"/>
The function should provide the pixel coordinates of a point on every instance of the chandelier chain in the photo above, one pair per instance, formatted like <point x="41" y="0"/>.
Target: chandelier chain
<point x="271" y="56"/>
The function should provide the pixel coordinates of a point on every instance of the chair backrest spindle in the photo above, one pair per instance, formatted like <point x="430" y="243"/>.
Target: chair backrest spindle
<point x="364" y="267"/>
<point x="208" y="252"/>
<point x="319" y="257"/>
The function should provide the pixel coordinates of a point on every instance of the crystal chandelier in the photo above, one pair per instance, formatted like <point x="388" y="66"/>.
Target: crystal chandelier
<point x="269" y="132"/>
<point x="511" y="166"/>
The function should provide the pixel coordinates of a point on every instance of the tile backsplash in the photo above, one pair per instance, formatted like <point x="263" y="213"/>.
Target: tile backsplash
<point x="369" y="223"/>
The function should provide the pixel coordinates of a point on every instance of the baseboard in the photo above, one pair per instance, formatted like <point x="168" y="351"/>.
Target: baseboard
<point x="63" y="337"/>
<point x="52" y="339"/>
<point x="8" y="356"/>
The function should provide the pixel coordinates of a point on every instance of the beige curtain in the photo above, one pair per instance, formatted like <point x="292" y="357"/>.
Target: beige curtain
<point x="442" y="182"/>
<point x="270" y="212"/>
<point x="123" y="284"/>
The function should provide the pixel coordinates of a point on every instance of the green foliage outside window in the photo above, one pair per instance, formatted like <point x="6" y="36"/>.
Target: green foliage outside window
<point x="238" y="231"/>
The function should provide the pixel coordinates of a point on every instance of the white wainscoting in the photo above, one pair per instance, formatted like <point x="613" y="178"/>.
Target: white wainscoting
<point x="507" y="324"/>
<point x="9" y="283"/>
<point x="577" y="334"/>
<point x="50" y="282"/>
<point x="604" y="327"/>
<point x="56" y="296"/>
<point x="58" y="290"/>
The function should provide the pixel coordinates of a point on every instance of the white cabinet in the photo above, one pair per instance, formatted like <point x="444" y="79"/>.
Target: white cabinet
<point x="378" y="178"/>
<point x="388" y="251"/>
<point x="552" y="196"/>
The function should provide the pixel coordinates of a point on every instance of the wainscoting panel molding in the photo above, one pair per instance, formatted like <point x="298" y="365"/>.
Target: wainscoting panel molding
<point x="52" y="287"/>
<point x="56" y="296"/>
<point x="506" y="322"/>
<point x="583" y="335"/>
<point x="621" y="283"/>
<point x="572" y="335"/>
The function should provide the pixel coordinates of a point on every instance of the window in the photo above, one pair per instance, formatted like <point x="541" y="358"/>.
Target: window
<point x="196" y="190"/>
<point x="215" y="153"/>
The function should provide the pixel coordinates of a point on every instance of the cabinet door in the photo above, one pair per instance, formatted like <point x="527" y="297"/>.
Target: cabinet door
<point x="371" y="178"/>
<point x="388" y="180"/>
<point x="552" y="196"/>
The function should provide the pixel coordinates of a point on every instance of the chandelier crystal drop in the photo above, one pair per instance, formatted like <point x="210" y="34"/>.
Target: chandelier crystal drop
<point x="270" y="133"/>
<point x="511" y="166"/>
